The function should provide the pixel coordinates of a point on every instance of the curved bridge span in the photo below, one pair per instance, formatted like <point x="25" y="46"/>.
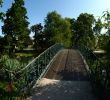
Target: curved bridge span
<point x="68" y="65"/>
<point x="66" y="79"/>
<point x="59" y="74"/>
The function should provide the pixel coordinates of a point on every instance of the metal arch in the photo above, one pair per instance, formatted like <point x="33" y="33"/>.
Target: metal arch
<point x="23" y="80"/>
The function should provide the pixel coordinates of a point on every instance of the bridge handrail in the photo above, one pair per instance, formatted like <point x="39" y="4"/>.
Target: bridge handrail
<point x="24" y="79"/>
<point x="97" y="69"/>
<point x="37" y="57"/>
<point x="91" y="51"/>
<point x="31" y="61"/>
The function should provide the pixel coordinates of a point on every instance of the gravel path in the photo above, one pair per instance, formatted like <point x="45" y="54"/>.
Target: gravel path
<point x="67" y="79"/>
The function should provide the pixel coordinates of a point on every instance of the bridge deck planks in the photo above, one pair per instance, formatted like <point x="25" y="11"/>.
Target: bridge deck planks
<point x="67" y="79"/>
<point x="68" y="65"/>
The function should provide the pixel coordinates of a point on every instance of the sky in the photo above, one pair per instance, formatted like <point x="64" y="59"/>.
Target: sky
<point x="38" y="9"/>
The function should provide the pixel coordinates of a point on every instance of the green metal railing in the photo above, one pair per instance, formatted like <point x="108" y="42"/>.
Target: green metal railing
<point x="20" y="82"/>
<point x="98" y="71"/>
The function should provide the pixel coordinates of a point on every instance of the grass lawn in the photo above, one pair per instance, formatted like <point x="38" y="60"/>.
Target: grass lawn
<point x="26" y="56"/>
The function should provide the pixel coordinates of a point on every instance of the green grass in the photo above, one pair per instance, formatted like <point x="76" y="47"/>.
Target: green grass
<point x="27" y="56"/>
<point x="24" y="54"/>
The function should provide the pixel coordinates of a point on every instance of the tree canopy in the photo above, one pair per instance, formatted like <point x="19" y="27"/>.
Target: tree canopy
<point x="85" y="29"/>
<point x="57" y="29"/>
<point x="39" y="40"/>
<point x="82" y="27"/>
<point x="15" y="26"/>
<point x="1" y="13"/>
<point x="1" y="2"/>
<point x="106" y="23"/>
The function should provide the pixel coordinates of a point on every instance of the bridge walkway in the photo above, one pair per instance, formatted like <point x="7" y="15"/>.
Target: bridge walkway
<point x="67" y="79"/>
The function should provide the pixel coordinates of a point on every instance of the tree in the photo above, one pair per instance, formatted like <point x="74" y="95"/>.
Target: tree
<point x="57" y="29"/>
<point x="102" y="41"/>
<point x="66" y="32"/>
<point x="106" y="17"/>
<point x="97" y="30"/>
<point x="52" y="23"/>
<point x="15" y="26"/>
<point x="1" y="2"/>
<point x="38" y="35"/>
<point x="1" y="13"/>
<point x="1" y="45"/>
<point x="98" y="27"/>
<point x="83" y="32"/>
<point x="72" y="22"/>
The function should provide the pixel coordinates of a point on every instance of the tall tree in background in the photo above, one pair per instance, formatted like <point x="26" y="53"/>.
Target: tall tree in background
<point x="52" y="23"/>
<point x="38" y="35"/>
<point x="15" y="26"/>
<point x="0" y="2"/>
<point x="1" y="38"/>
<point x="72" y="22"/>
<point x="1" y="13"/>
<point x="83" y="32"/>
<point x="106" y="17"/>
<point x="97" y="30"/>
<point x="1" y="45"/>
<point x="98" y="26"/>
<point x="66" y="32"/>
<point x="57" y="29"/>
<point x="102" y="41"/>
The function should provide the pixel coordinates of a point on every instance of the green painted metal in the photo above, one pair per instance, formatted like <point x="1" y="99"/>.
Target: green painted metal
<point x="23" y="80"/>
<point x="97" y="70"/>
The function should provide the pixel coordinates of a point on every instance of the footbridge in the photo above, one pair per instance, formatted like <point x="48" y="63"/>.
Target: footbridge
<point x="60" y="74"/>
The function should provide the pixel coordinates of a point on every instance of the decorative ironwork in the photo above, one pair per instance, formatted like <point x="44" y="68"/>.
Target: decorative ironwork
<point x="98" y="70"/>
<point x="23" y="80"/>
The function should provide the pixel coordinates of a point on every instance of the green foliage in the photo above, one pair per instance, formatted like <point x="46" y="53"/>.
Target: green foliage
<point x="16" y="26"/>
<point x="1" y="2"/>
<point x="39" y="40"/>
<point x="102" y="41"/>
<point x="82" y="28"/>
<point x="10" y="63"/>
<point x="106" y="16"/>
<point x="57" y="29"/>
<point x="105" y="42"/>
<point x="98" y="27"/>
<point x="2" y="15"/>
<point x="1" y="45"/>
<point x="108" y="50"/>
<point x="97" y="31"/>
<point x="106" y="23"/>
<point x="52" y="23"/>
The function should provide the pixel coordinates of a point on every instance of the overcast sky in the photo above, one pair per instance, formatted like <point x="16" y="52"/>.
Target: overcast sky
<point x="38" y="9"/>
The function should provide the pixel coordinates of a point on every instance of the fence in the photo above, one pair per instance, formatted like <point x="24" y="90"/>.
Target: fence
<point x="98" y="73"/>
<point x="19" y="83"/>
